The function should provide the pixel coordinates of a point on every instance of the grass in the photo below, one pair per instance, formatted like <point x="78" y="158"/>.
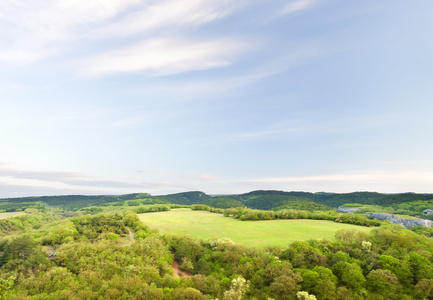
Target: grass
<point x="10" y="214"/>
<point x="204" y="225"/>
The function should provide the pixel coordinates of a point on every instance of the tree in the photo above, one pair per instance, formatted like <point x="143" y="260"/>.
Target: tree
<point x="350" y="274"/>
<point x="188" y="294"/>
<point x="6" y="285"/>
<point x="399" y="267"/>
<point x="425" y="286"/>
<point x="383" y="282"/>
<point x="285" y="287"/>
<point x="239" y="287"/>
<point x="20" y="248"/>
<point x="320" y="281"/>
<point x="305" y="296"/>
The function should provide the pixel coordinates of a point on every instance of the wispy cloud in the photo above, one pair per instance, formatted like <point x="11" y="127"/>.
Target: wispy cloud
<point x="20" y="56"/>
<point x="55" y="178"/>
<point x="154" y="172"/>
<point x="165" y="56"/>
<point x="174" y="14"/>
<point x="295" y="6"/>
<point x="206" y="177"/>
<point x="28" y="182"/>
<point x="263" y="133"/>
<point x="32" y="30"/>
<point x="291" y="56"/>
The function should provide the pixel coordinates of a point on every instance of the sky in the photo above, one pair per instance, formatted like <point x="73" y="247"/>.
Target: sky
<point x="228" y="96"/>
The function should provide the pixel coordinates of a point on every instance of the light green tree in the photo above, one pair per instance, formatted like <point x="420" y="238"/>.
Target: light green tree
<point x="6" y="285"/>
<point x="305" y="296"/>
<point x="239" y="287"/>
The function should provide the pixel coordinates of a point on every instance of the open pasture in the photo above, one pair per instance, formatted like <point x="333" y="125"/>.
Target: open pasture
<point x="10" y="214"/>
<point x="204" y="225"/>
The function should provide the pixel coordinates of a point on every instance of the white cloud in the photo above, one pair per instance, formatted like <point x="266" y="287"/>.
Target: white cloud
<point x="51" y="17"/>
<point x="33" y="29"/>
<point x="20" y="56"/>
<point x="154" y="172"/>
<point x="165" y="56"/>
<point x="296" y="6"/>
<point x="54" y="183"/>
<point x="294" y="56"/>
<point x="172" y="13"/>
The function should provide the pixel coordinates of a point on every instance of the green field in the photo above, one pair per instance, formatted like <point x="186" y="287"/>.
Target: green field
<point x="204" y="225"/>
<point x="10" y="214"/>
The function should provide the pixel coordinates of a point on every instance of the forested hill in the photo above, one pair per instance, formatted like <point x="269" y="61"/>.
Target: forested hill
<point x="266" y="200"/>
<point x="335" y="199"/>
<point x="187" y="198"/>
<point x="68" y="202"/>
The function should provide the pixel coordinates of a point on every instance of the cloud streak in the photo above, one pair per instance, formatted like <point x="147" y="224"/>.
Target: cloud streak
<point x="26" y="177"/>
<point x="32" y="30"/>
<point x="296" y="6"/>
<point x="174" y="14"/>
<point x="163" y="56"/>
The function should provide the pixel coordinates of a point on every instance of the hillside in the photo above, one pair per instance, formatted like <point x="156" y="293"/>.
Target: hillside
<point x="265" y="200"/>
<point x="112" y="255"/>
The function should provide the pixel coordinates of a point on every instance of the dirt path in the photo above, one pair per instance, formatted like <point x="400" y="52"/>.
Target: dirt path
<point x="131" y="235"/>
<point x="177" y="272"/>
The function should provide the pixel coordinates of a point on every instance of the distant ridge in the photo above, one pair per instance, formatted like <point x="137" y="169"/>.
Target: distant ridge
<point x="259" y="199"/>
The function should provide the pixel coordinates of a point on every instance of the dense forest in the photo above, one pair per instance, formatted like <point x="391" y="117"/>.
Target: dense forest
<point x="265" y="200"/>
<point x="112" y="255"/>
<point x="95" y="247"/>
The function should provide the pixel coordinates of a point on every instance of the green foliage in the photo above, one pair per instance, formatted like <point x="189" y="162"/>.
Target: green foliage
<point x="92" y="257"/>
<point x="92" y="226"/>
<point x="133" y="203"/>
<point x="59" y="233"/>
<point x="425" y="288"/>
<point x="71" y="202"/>
<point x="352" y="205"/>
<point x="222" y="202"/>
<point x="238" y="288"/>
<point x="247" y="214"/>
<point x="152" y="208"/>
<point x="305" y="296"/>
<point x="6" y="285"/>
<point x="20" y="248"/>
<point x="91" y="210"/>
<point x="267" y="200"/>
<point x="383" y="282"/>
<point x="350" y="275"/>
<point x="187" y="198"/>
<point x="302" y="204"/>
<point x="24" y="222"/>
<point x="319" y="281"/>
<point x="351" y="218"/>
<point x="406" y="204"/>
<point x="207" y="208"/>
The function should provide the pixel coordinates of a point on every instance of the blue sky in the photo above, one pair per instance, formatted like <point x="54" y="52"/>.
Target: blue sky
<point x="122" y="96"/>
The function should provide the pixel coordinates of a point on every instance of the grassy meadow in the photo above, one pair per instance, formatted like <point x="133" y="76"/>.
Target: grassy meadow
<point x="204" y="225"/>
<point x="5" y="215"/>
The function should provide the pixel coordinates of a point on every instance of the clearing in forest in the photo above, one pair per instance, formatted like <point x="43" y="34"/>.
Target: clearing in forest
<point x="10" y="214"/>
<point x="204" y="225"/>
